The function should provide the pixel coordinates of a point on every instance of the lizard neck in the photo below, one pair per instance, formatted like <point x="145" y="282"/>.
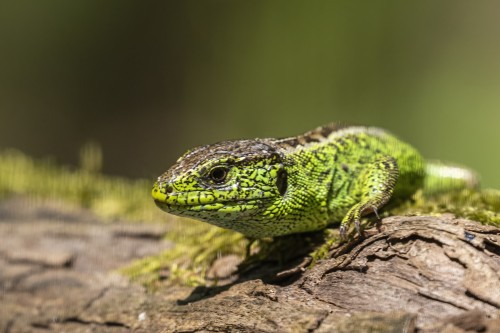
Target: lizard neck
<point x="309" y="182"/>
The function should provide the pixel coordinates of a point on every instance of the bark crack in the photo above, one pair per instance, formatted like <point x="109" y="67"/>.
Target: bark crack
<point x="441" y="300"/>
<point x="96" y="298"/>
<point x="469" y="293"/>
<point x="92" y="322"/>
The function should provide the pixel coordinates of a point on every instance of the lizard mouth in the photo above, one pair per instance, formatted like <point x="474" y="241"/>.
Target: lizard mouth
<point x="201" y="200"/>
<point x="225" y="206"/>
<point x="194" y="200"/>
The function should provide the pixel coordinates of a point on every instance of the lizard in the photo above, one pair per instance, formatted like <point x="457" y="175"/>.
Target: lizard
<point x="274" y="187"/>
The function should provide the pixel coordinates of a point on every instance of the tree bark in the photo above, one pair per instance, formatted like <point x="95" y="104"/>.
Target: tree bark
<point x="425" y="273"/>
<point x="420" y="273"/>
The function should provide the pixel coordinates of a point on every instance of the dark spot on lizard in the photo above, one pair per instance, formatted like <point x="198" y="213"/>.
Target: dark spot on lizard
<point x="325" y="131"/>
<point x="282" y="182"/>
<point x="386" y="165"/>
<point x="293" y="142"/>
<point x="309" y="139"/>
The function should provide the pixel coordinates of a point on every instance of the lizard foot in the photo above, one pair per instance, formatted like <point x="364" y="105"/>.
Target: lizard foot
<point x="345" y="227"/>
<point x="354" y="215"/>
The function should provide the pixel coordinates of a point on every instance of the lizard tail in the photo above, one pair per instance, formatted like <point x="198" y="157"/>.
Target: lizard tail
<point x="443" y="177"/>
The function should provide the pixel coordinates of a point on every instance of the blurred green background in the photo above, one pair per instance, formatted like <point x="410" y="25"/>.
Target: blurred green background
<point x="149" y="79"/>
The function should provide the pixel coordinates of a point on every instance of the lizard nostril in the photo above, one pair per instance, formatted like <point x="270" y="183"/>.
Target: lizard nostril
<point x="169" y="189"/>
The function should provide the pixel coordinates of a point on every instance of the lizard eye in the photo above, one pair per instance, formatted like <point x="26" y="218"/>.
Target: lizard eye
<point x="218" y="174"/>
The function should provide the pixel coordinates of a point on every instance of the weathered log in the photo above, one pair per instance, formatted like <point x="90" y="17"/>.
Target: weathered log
<point x="425" y="273"/>
<point x="420" y="273"/>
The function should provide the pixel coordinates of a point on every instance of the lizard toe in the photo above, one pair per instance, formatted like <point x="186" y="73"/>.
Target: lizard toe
<point x="343" y="232"/>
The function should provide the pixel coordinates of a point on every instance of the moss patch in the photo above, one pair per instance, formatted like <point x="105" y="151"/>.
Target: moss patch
<point x="479" y="205"/>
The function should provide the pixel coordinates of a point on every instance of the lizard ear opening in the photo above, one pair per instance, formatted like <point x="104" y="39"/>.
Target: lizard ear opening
<point x="282" y="182"/>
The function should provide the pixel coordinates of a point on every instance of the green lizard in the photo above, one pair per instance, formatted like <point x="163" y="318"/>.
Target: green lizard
<point x="273" y="187"/>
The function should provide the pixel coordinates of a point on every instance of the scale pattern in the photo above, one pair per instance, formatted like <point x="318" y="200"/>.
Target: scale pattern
<point x="273" y="187"/>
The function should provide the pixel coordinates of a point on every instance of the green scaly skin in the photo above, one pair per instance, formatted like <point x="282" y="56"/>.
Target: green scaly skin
<point x="274" y="187"/>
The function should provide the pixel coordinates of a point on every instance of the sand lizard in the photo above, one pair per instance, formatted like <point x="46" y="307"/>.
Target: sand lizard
<point x="273" y="187"/>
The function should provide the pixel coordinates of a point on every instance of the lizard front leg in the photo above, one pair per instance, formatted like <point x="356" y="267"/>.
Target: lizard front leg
<point x="376" y="183"/>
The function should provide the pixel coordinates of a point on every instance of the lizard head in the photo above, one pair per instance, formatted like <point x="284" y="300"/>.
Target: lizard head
<point x="232" y="184"/>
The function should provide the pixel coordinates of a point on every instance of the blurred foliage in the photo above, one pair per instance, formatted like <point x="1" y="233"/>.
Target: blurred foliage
<point x="149" y="80"/>
<point x="91" y="157"/>
<point x="109" y="197"/>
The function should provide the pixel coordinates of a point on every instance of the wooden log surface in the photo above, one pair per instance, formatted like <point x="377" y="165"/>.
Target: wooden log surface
<point x="418" y="273"/>
<point x="422" y="273"/>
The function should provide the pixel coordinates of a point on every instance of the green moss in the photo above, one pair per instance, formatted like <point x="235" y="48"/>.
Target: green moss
<point x="479" y="205"/>
<point x="109" y="197"/>
<point x="196" y="247"/>
<point x="322" y="251"/>
<point x="196" y="244"/>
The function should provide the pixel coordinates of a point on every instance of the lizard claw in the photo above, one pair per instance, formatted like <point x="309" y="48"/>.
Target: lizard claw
<point x="343" y="232"/>
<point x="344" y="227"/>
<point x="357" y="226"/>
